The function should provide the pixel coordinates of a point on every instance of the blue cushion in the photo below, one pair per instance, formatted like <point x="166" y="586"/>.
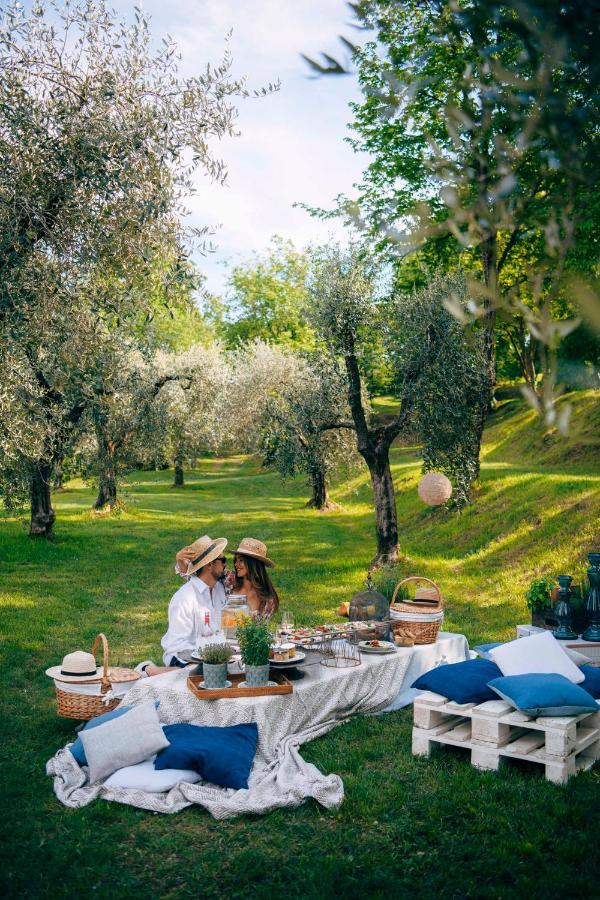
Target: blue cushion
<point x="77" y="747"/>
<point x="544" y="695"/>
<point x="222" y="756"/>
<point x="484" y="649"/>
<point x="592" y="680"/>
<point x="464" y="682"/>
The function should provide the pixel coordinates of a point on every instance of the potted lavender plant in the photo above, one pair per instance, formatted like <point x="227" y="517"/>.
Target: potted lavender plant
<point x="214" y="665"/>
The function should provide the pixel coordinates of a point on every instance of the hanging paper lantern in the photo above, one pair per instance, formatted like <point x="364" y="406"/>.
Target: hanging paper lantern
<point x="434" y="489"/>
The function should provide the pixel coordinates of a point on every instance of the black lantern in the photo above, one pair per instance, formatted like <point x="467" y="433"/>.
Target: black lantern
<point x="562" y="610"/>
<point x="592" y="607"/>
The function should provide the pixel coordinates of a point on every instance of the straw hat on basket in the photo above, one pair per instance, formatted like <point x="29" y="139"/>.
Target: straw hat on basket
<point x="206" y="549"/>
<point x="77" y="666"/>
<point x="256" y="549"/>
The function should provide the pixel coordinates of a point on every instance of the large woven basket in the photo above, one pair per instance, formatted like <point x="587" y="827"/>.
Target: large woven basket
<point x="85" y="706"/>
<point x="420" y="621"/>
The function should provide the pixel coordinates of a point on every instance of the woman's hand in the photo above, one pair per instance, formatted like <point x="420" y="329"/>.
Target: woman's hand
<point x="183" y="558"/>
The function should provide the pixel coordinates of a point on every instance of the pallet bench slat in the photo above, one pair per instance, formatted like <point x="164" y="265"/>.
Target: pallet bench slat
<point x="494" y="731"/>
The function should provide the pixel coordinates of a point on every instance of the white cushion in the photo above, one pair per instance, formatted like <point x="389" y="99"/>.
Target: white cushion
<point x="144" y="777"/>
<point x="122" y="742"/>
<point x="539" y="653"/>
<point x="575" y="656"/>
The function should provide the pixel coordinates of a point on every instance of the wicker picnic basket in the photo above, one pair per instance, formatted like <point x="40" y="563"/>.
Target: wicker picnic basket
<point x="71" y="705"/>
<point x="414" y="620"/>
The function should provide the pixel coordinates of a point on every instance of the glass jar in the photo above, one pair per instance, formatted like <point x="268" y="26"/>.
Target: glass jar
<point x="232" y="614"/>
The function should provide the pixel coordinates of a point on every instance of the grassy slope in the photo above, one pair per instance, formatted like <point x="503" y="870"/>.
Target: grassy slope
<point x="437" y="827"/>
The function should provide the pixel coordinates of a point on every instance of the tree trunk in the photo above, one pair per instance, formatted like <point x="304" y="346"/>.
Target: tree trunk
<point x="107" y="469"/>
<point x="374" y="446"/>
<point x="178" y="471"/>
<point x="58" y="478"/>
<point x="320" y="495"/>
<point x="490" y="277"/>
<point x="386" y="517"/>
<point x="42" y="513"/>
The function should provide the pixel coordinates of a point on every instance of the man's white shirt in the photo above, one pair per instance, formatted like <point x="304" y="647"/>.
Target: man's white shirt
<point x="187" y="613"/>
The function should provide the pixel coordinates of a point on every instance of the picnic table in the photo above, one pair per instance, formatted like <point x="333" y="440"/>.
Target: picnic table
<point x="324" y="698"/>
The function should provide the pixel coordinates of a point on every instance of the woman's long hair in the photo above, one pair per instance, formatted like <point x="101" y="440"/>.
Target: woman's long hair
<point x="260" y="581"/>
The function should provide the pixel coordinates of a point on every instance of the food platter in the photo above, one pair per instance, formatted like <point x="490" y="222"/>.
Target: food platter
<point x="376" y="647"/>
<point x="295" y="660"/>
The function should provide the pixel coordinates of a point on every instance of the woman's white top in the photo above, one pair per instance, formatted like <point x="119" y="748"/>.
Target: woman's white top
<point x="187" y="613"/>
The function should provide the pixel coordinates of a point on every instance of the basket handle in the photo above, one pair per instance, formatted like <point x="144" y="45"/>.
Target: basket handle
<point x="416" y="578"/>
<point x="102" y="637"/>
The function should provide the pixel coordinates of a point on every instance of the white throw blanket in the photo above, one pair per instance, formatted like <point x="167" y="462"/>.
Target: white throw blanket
<point x="326" y="697"/>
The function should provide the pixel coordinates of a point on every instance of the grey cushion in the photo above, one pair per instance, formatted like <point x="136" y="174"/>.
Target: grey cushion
<point x="123" y="742"/>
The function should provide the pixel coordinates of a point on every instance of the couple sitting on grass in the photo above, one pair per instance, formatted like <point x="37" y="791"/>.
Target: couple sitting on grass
<point x="195" y="609"/>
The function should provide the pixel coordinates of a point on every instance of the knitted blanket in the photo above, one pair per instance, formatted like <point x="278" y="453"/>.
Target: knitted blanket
<point x="323" y="699"/>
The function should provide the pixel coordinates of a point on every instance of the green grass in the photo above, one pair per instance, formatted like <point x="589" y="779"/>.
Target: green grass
<point x="432" y="828"/>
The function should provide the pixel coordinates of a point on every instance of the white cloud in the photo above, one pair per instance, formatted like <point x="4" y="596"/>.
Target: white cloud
<point x="291" y="146"/>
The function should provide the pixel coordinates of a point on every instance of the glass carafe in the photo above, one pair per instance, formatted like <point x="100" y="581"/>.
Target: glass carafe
<point x="232" y="614"/>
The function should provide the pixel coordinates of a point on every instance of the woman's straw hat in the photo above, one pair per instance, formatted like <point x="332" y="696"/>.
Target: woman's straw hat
<point x="255" y="549"/>
<point x="77" y="666"/>
<point x="206" y="550"/>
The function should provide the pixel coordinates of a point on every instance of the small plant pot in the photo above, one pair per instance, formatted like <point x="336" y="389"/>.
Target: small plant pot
<point x="215" y="675"/>
<point x="257" y="676"/>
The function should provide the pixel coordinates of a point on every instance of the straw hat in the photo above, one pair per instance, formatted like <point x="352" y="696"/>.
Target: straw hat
<point x="206" y="550"/>
<point x="256" y="549"/>
<point x="77" y="666"/>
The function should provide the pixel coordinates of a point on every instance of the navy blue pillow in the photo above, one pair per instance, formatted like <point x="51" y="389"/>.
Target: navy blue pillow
<point x="77" y="747"/>
<point x="592" y="680"/>
<point x="222" y="756"/>
<point x="544" y="695"/>
<point x="463" y="682"/>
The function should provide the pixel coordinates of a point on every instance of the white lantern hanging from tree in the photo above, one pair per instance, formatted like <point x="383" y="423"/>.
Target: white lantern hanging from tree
<point x="434" y="489"/>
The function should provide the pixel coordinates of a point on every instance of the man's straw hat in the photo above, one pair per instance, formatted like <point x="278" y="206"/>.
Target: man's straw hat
<point x="255" y="549"/>
<point x="206" y="550"/>
<point x="77" y="666"/>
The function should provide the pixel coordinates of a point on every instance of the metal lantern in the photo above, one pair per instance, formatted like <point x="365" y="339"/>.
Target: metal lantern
<point x="369" y="605"/>
<point x="562" y="610"/>
<point x="434" y="489"/>
<point x="592" y="607"/>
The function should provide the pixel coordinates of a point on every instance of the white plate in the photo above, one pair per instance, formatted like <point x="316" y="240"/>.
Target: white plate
<point x="243" y="684"/>
<point x="385" y="647"/>
<point x="288" y="663"/>
<point x="203" y="686"/>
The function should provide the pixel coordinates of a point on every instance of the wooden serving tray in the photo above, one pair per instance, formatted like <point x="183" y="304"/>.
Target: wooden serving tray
<point x="283" y="686"/>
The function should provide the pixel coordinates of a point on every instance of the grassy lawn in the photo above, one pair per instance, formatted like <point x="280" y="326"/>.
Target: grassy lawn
<point x="432" y="828"/>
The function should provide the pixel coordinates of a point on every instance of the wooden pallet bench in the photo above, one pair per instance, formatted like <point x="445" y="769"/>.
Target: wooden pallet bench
<point x="494" y="731"/>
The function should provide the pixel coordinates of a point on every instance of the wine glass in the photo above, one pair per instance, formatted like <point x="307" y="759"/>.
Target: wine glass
<point x="287" y="622"/>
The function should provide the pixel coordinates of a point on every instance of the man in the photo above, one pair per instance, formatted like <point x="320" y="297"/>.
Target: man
<point x="195" y="609"/>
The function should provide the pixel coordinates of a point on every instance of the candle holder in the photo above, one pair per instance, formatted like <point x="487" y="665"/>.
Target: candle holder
<point x="562" y="610"/>
<point x="592" y="607"/>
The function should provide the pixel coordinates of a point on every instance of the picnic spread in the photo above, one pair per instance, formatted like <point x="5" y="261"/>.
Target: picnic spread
<point x="323" y="699"/>
<point x="222" y="726"/>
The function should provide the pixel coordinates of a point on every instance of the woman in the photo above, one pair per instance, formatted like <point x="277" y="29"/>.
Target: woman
<point x="252" y="579"/>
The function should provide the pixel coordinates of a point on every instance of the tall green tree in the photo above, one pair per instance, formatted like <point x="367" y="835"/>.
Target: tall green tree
<point x="99" y="138"/>
<point x="482" y="121"/>
<point x="266" y="298"/>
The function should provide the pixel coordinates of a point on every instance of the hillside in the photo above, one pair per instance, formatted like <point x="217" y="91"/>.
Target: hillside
<point x="115" y="574"/>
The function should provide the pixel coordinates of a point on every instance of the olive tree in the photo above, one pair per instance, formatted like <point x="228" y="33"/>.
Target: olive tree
<point x="308" y="428"/>
<point x="345" y="310"/>
<point x="100" y="137"/>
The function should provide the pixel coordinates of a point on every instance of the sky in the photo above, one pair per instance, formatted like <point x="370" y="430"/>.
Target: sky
<point x="291" y="147"/>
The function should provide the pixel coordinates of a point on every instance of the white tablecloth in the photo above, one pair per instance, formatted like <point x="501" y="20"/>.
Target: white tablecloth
<point x="324" y="698"/>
